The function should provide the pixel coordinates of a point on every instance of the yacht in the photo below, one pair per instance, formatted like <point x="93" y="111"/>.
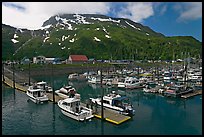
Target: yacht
<point x="44" y="86"/>
<point x="36" y="94"/>
<point x="131" y="83"/>
<point x="115" y="102"/>
<point x="72" y="108"/>
<point x="66" y="91"/>
<point x="94" y="80"/>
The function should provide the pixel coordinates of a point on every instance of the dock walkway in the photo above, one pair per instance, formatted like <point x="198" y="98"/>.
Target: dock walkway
<point x="10" y="83"/>
<point x="198" y="92"/>
<point x="111" y="116"/>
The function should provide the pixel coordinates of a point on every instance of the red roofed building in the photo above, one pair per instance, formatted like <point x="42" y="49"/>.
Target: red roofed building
<point x="77" y="59"/>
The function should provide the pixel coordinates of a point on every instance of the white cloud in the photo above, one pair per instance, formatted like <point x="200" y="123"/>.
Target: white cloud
<point x="137" y="11"/>
<point x="189" y="11"/>
<point x="36" y="13"/>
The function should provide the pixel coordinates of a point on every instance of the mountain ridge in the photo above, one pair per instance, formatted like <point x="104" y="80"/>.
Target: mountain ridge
<point x="97" y="36"/>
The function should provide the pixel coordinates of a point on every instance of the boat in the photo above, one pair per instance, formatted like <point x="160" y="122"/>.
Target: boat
<point x="72" y="108"/>
<point x="94" y="80"/>
<point x="36" y="94"/>
<point x="167" y="75"/>
<point x="116" y="102"/>
<point x="178" y="90"/>
<point x="76" y="76"/>
<point x="44" y="86"/>
<point x="66" y="91"/>
<point x="132" y="83"/>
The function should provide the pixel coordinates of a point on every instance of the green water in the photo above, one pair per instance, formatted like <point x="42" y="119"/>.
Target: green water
<point x="155" y="115"/>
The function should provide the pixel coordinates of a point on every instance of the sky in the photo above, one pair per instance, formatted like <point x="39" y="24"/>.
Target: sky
<point x="168" y="18"/>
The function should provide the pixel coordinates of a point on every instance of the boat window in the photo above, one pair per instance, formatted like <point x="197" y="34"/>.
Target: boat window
<point x="65" y="103"/>
<point x="106" y="102"/>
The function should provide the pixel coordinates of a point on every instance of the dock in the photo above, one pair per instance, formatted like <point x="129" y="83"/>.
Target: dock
<point x="10" y="83"/>
<point x="111" y="116"/>
<point x="198" y="92"/>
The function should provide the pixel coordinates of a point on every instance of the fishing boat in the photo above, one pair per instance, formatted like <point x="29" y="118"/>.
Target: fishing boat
<point x="132" y="83"/>
<point x="36" y="94"/>
<point x="115" y="102"/>
<point x="94" y="80"/>
<point x="72" y="108"/>
<point x="66" y="91"/>
<point x="44" y="86"/>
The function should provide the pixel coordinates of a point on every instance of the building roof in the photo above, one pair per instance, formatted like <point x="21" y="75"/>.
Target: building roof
<point x="78" y="58"/>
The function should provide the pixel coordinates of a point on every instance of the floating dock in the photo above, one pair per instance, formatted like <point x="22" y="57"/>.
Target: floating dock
<point x="10" y="83"/>
<point x="198" y="92"/>
<point x="111" y="116"/>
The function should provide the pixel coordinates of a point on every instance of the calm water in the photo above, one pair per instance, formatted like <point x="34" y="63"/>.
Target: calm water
<point x="155" y="115"/>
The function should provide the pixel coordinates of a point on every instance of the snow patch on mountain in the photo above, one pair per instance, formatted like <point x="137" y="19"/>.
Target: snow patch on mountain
<point x="81" y="19"/>
<point x="97" y="29"/>
<point x="45" y="27"/>
<point x="96" y="39"/>
<point x="109" y="19"/>
<point x="15" y="36"/>
<point x="104" y="29"/>
<point x="132" y="26"/>
<point x="46" y="39"/>
<point x="107" y="36"/>
<point x="72" y="40"/>
<point x="14" y="41"/>
<point x="64" y="37"/>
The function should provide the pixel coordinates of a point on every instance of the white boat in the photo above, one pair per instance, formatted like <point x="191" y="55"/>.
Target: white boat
<point x="66" y="92"/>
<point x="115" y="102"/>
<point x="36" y="95"/>
<point x="147" y="89"/>
<point x="71" y="107"/>
<point x="44" y="86"/>
<point x="94" y="80"/>
<point x="167" y="75"/>
<point x="132" y="83"/>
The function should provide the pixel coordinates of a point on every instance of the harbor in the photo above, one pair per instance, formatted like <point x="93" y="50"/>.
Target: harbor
<point x="172" y="84"/>
<point x="150" y="108"/>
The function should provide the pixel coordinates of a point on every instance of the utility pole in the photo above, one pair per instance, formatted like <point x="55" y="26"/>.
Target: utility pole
<point x="53" y="92"/>
<point x="13" y="76"/>
<point x="102" y="116"/>
<point x="3" y="71"/>
<point x="29" y="74"/>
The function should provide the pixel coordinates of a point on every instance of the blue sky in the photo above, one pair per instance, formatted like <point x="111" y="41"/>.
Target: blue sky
<point x="168" y="18"/>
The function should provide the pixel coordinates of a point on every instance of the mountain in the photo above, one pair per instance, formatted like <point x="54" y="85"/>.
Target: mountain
<point x="97" y="36"/>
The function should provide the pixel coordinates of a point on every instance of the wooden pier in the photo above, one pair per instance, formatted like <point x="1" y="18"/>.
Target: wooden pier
<point x="198" y="92"/>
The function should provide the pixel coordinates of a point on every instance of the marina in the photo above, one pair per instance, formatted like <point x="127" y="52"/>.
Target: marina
<point x="65" y="91"/>
<point x="151" y="110"/>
